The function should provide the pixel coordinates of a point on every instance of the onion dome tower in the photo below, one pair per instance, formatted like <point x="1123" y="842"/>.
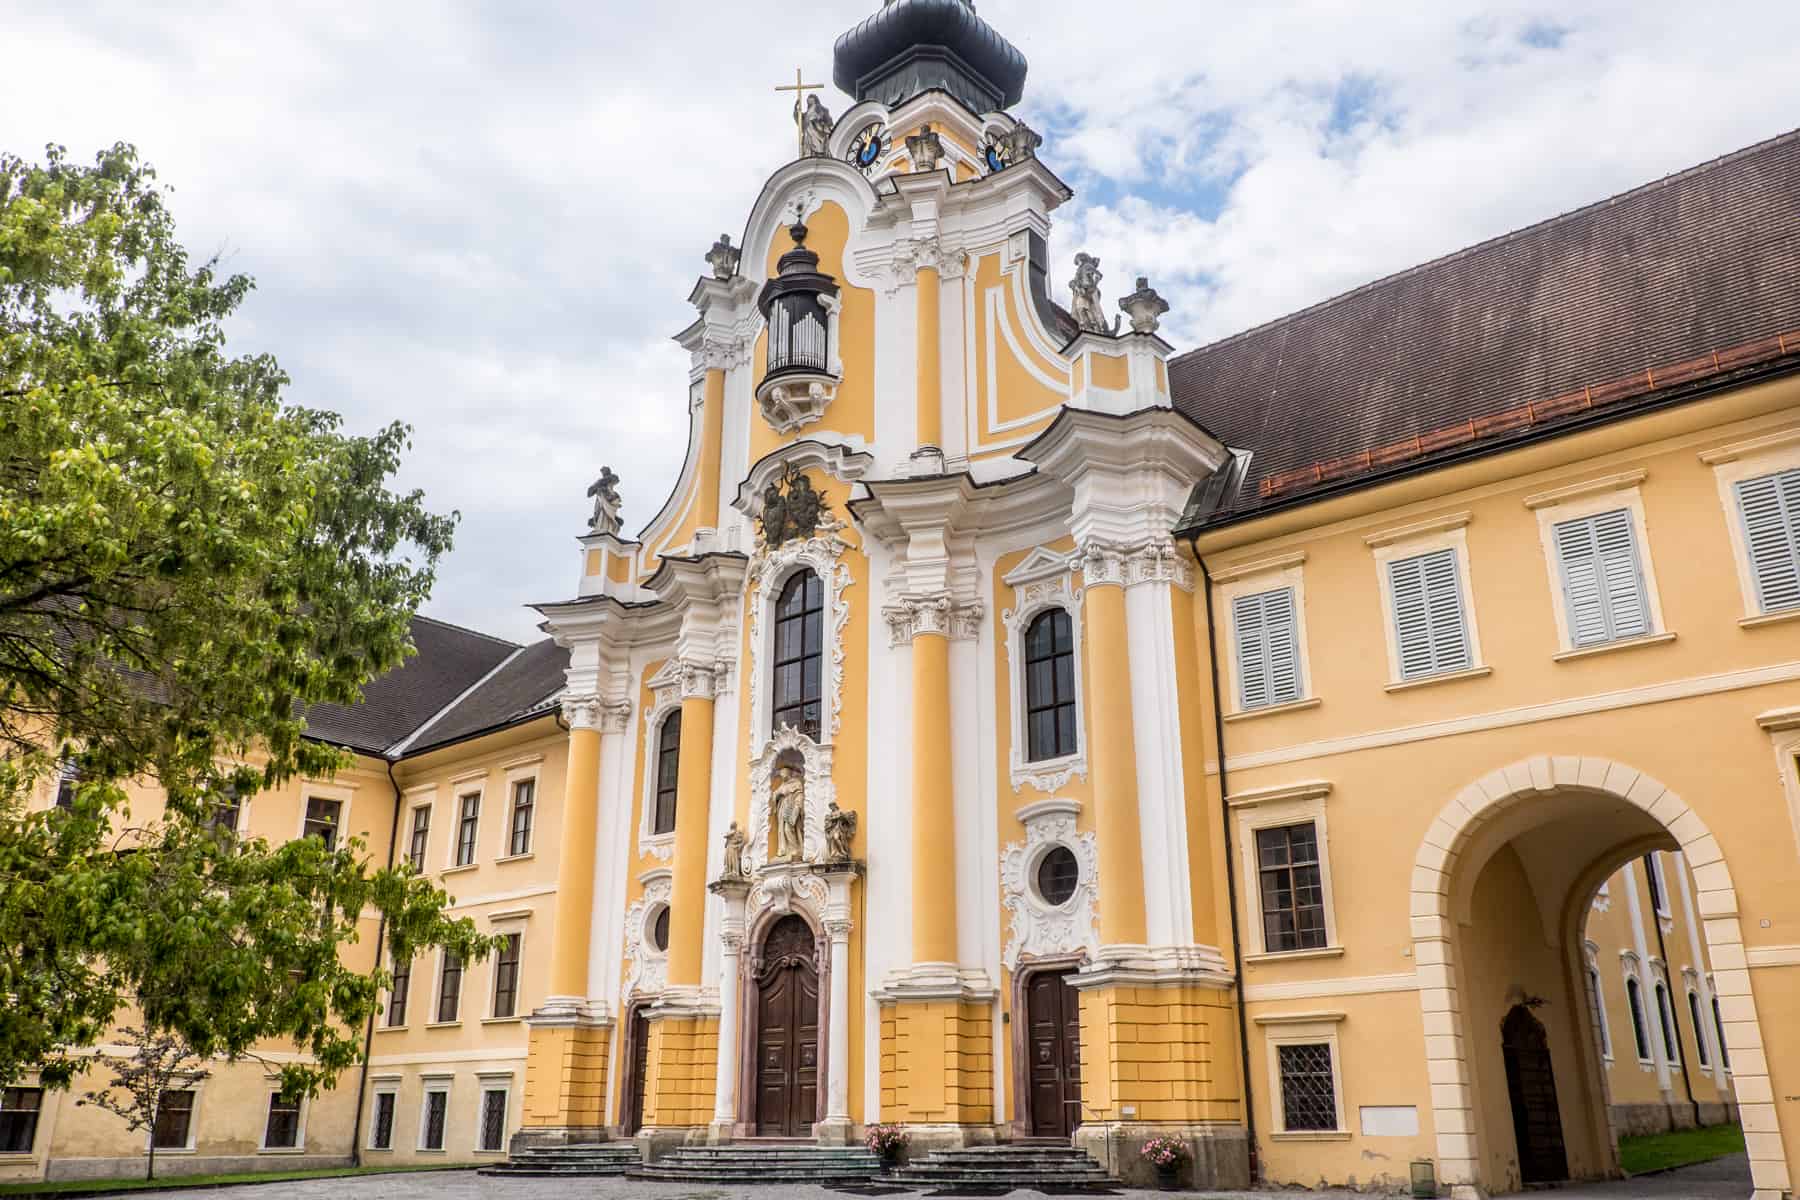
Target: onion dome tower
<point x="914" y="46"/>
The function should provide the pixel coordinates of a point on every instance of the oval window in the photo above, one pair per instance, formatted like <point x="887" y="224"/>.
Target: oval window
<point x="659" y="931"/>
<point x="1057" y="875"/>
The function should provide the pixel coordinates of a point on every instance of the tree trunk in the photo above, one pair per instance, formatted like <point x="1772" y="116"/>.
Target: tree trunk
<point x="150" y="1168"/>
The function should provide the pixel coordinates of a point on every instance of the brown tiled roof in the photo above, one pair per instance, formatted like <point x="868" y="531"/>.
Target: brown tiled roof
<point x="1692" y="276"/>
<point x="523" y="687"/>
<point x="450" y="660"/>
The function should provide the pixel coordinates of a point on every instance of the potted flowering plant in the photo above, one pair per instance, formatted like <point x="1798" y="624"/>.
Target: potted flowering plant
<point x="1166" y="1155"/>
<point x="886" y="1141"/>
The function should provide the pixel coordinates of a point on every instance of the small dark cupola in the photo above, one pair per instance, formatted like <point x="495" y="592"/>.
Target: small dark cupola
<point x="914" y="46"/>
<point x="800" y="306"/>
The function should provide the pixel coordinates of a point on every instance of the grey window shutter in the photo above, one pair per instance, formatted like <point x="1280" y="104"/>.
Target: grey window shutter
<point x="1430" y="627"/>
<point x="1770" y="507"/>
<point x="1268" y="648"/>
<point x="1602" y="577"/>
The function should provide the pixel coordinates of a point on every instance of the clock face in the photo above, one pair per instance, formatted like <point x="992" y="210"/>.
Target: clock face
<point x="868" y="146"/>
<point x="994" y="154"/>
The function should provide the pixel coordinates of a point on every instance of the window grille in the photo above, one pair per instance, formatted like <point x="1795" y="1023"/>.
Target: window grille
<point x="1770" y="509"/>
<point x="1049" y="686"/>
<point x="524" y="808"/>
<point x="799" y="653"/>
<point x="1430" y="628"/>
<point x="381" y="1136"/>
<point x="1293" y="892"/>
<point x="1602" y="578"/>
<point x="432" y="1136"/>
<point x="1268" y="648"/>
<point x="668" y="773"/>
<point x="1308" y="1090"/>
<point x="493" y="1119"/>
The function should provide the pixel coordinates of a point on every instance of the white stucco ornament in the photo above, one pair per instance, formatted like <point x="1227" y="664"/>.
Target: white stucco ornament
<point x="1036" y="927"/>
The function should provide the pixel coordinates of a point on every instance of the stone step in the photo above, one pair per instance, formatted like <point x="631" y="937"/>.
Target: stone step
<point x="599" y="1158"/>
<point x="762" y="1162"/>
<point x="994" y="1170"/>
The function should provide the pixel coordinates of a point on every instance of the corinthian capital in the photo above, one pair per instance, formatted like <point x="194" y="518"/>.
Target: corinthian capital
<point x="1102" y="564"/>
<point x="1158" y="561"/>
<point x="697" y="681"/>
<point x="938" y="615"/>
<point x="583" y="712"/>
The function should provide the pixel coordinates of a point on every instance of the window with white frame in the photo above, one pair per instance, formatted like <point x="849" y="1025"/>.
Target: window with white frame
<point x="323" y="817"/>
<point x="419" y="838"/>
<point x="398" y="991"/>
<point x="468" y="827"/>
<point x="1719" y="1027"/>
<point x="1693" y="999"/>
<point x="433" y="1115"/>
<point x="1659" y="888"/>
<point x="381" y="1119"/>
<point x="227" y="809"/>
<point x="173" y="1128"/>
<point x="449" y="997"/>
<point x="1266" y="638"/>
<point x="668" y="774"/>
<point x="524" y="812"/>
<point x="1665" y="1018"/>
<point x="1431" y="627"/>
<point x="68" y="779"/>
<point x="282" y="1129"/>
<point x="1640" y="1033"/>
<point x="1597" y="998"/>
<point x="1768" y="506"/>
<point x="1283" y="841"/>
<point x="1050" y="716"/>
<point x="19" y="1110"/>
<point x="491" y="1136"/>
<point x="506" y="977"/>
<point x="1604" y="596"/>
<point x="1305" y="1074"/>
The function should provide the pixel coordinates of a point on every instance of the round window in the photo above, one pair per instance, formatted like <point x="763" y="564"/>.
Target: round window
<point x="1057" y="875"/>
<point x="659" y="929"/>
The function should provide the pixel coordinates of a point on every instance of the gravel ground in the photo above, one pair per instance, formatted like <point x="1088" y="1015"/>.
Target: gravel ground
<point x="1724" y="1179"/>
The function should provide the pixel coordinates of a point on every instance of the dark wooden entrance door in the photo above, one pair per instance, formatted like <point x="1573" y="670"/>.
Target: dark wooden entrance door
<point x="639" y="1067"/>
<point x="1531" y="1085"/>
<point x="787" y="1032"/>
<point x="1053" y="1041"/>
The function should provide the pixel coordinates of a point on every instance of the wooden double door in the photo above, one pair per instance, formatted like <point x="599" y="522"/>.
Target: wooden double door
<point x="1531" y="1086"/>
<point x="787" y="1032"/>
<point x="1053" y="1050"/>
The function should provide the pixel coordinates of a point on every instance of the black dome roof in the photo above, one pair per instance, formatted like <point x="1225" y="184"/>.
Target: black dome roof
<point x="912" y="46"/>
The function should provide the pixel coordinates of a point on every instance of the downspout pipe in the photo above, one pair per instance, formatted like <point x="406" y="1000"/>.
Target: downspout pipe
<point x="362" y="1086"/>
<point x="1231" y="891"/>
<point x="1687" y="1081"/>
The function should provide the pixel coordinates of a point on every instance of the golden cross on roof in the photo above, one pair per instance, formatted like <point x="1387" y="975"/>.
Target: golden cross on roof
<point x="799" y="89"/>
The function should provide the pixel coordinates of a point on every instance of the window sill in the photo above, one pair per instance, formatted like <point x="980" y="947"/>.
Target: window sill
<point x="1407" y="685"/>
<point x="1771" y="618"/>
<point x="501" y="1020"/>
<point x="22" y="1158"/>
<point x="1649" y="639"/>
<point x="516" y="857"/>
<point x="379" y="1149"/>
<point x="1271" y="956"/>
<point x="282" y="1150"/>
<point x="391" y="1028"/>
<point x="457" y="870"/>
<point x="498" y="1153"/>
<point x="163" y="1151"/>
<point x="1322" y="1135"/>
<point x="1270" y="710"/>
<point x="443" y="1024"/>
<point x="429" y="1150"/>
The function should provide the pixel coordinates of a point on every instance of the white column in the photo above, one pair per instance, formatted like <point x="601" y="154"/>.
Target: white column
<point x="837" y="1091"/>
<point x="731" y="949"/>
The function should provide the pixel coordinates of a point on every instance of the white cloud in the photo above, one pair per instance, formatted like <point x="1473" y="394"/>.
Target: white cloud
<point x="485" y="219"/>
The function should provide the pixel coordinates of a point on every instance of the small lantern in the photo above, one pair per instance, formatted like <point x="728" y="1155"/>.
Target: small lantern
<point x="1424" y="1178"/>
<point x="796" y="304"/>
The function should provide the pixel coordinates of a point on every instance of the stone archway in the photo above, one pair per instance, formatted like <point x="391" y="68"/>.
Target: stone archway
<point x="1489" y="800"/>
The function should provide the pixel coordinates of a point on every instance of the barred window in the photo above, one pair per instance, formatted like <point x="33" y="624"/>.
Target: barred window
<point x="1308" y="1090"/>
<point x="283" y="1129"/>
<point x="493" y="1119"/>
<point x="1049" y="686"/>
<point x="431" y="1133"/>
<point x="421" y="837"/>
<point x="450" y="987"/>
<point x="381" y="1126"/>
<point x="524" y="807"/>
<point x="799" y="653"/>
<point x="397" y="992"/>
<point x="506" y="978"/>
<point x="468" y="828"/>
<point x="668" y="773"/>
<point x="174" y="1120"/>
<point x="19" y="1108"/>
<point x="1293" y="893"/>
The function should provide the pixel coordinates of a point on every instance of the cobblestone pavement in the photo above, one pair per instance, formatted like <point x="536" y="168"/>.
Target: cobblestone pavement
<point x="1725" y="1179"/>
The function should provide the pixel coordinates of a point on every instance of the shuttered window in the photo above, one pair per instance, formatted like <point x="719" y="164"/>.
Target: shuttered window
<point x="1430" y="628"/>
<point x="1602" y="578"/>
<point x="1770" y="508"/>
<point x="1268" y="648"/>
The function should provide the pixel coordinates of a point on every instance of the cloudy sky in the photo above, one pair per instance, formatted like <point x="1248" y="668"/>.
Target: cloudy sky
<point x="484" y="218"/>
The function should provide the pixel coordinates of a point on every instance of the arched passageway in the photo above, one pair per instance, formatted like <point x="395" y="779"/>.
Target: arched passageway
<point x="1501" y="885"/>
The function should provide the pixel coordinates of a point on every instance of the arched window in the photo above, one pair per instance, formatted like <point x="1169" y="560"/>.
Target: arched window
<point x="1719" y="1025"/>
<point x="1699" y="1027"/>
<point x="799" y="653"/>
<point x="1598" y="1000"/>
<point x="1635" y="994"/>
<point x="1667" y="1020"/>
<point x="1049" y="686"/>
<point x="668" y="767"/>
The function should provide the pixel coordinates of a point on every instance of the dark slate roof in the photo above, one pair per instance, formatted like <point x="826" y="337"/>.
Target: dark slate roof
<point x="524" y="687"/>
<point x="1672" y="282"/>
<point x="450" y="660"/>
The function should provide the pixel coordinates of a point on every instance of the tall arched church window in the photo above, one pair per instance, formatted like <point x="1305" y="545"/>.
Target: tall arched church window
<point x="1634" y="994"/>
<point x="1667" y="1020"/>
<point x="1049" y="686"/>
<point x="668" y="766"/>
<point x="799" y="653"/>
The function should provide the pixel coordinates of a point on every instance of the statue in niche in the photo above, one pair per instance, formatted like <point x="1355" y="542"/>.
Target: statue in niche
<point x="734" y="853"/>
<point x="1085" y="289"/>
<point x="815" y="128"/>
<point x="840" y="831"/>
<point x="787" y="812"/>
<point x="604" y="492"/>
<point x="791" y="508"/>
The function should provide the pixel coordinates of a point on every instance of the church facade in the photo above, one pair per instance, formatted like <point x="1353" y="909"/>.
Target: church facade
<point x="1363" y="746"/>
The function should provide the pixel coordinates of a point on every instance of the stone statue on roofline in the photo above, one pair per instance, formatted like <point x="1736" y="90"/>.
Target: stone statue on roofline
<point x="1089" y="315"/>
<point x="1144" y="307"/>
<point x="604" y="492"/>
<point x="815" y="129"/>
<point x="723" y="257"/>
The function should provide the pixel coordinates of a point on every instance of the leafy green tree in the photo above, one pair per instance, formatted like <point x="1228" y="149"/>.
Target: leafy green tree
<point x="186" y="565"/>
<point x="159" y="1063"/>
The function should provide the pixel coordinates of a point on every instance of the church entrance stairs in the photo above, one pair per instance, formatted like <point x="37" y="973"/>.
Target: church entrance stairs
<point x="599" y="1158"/>
<point x="763" y="1161"/>
<point x="1058" y="1170"/>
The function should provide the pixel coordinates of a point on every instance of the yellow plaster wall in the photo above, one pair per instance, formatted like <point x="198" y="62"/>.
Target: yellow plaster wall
<point x="1111" y="371"/>
<point x="1020" y="395"/>
<point x="565" y="1076"/>
<point x="1166" y="1052"/>
<point x="937" y="1063"/>
<point x="682" y="1070"/>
